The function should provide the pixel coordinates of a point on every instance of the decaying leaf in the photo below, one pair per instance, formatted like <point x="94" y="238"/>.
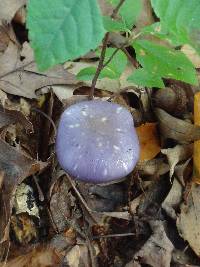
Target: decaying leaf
<point x="149" y="141"/>
<point x="177" y="154"/>
<point x="157" y="251"/>
<point x="39" y="257"/>
<point x="77" y="256"/>
<point x="177" y="129"/>
<point x="16" y="167"/>
<point x="188" y="222"/>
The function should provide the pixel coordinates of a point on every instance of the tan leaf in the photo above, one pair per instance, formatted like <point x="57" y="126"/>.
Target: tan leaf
<point x="153" y="167"/>
<point x="191" y="54"/>
<point x="188" y="222"/>
<point x="177" y="154"/>
<point x="9" y="8"/>
<point x="149" y="141"/>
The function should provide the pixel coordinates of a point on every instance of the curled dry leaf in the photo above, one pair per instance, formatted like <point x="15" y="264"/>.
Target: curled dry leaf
<point x="44" y="257"/>
<point x="157" y="251"/>
<point x="188" y="222"/>
<point x="177" y="129"/>
<point x="149" y="141"/>
<point x="177" y="154"/>
<point x="16" y="167"/>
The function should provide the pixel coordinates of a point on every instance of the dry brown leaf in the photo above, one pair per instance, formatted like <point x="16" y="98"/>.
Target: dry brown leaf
<point x="78" y="256"/>
<point x="177" y="129"/>
<point x="40" y="257"/>
<point x="149" y="141"/>
<point x="157" y="251"/>
<point x="191" y="54"/>
<point x="146" y="16"/>
<point x="188" y="222"/>
<point x="9" y="8"/>
<point x="22" y="77"/>
<point x="8" y="117"/>
<point x="16" y="168"/>
<point x="177" y="154"/>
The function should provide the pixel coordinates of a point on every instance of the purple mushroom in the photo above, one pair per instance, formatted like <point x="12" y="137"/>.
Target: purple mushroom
<point x="97" y="142"/>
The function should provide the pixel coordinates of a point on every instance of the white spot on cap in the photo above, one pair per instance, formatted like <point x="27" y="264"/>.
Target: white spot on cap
<point x="118" y="130"/>
<point x="103" y="119"/>
<point x="76" y="125"/>
<point x="116" y="147"/>
<point x="84" y="113"/>
<point x="75" y="167"/>
<point x="105" y="172"/>
<point x="68" y="113"/>
<point x="100" y="144"/>
<point x="118" y="110"/>
<point x="71" y="126"/>
<point x="125" y="166"/>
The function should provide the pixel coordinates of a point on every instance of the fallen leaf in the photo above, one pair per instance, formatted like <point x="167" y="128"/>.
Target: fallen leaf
<point x="188" y="222"/>
<point x="149" y="141"/>
<point x="77" y="256"/>
<point x="157" y="251"/>
<point x="177" y="129"/>
<point x="9" y="8"/>
<point x="16" y="167"/>
<point x="191" y="53"/>
<point x="21" y="77"/>
<point x="8" y="117"/>
<point x="44" y="257"/>
<point x="177" y="154"/>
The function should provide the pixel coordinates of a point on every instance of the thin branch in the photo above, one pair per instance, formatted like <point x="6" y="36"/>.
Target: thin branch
<point x="113" y="235"/>
<point x="103" y="52"/>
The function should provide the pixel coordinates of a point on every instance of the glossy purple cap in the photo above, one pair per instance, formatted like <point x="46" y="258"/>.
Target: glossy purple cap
<point x="97" y="142"/>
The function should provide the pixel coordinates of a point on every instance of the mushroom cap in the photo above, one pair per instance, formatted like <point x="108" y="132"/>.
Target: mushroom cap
<point x="97" y="142"/>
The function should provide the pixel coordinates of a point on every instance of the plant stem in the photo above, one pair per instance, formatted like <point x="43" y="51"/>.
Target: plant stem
<point x="103" y="52"/>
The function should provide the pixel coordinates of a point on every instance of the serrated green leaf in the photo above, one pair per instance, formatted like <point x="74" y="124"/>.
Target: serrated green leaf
<point x="181" y="18"/>
<point x="129" y="11"/>
<point x="63" y="29"/>
<point x="112" y="25"/>
<point x="144" y="78"/>
<point x="165" y="62"/>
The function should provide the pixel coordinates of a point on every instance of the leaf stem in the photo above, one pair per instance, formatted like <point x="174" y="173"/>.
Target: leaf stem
<point x="103" y="53"/>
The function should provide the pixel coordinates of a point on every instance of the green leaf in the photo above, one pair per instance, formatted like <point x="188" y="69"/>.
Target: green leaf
<point x="165" y="62"/>
<point x="112" y="71"/>
<point x="112" y="25"/>
<point x="129" y="11"/>
<point x="142" y="77"/>
<point x="63" y="29"/>
<point x="86" y="74"/>
<point x="181" y="18"/>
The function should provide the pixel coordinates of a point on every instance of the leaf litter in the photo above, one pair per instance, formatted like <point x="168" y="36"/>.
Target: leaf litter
<point x="146" y="218"/>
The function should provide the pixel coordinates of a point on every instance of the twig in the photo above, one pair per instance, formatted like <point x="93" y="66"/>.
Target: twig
<point x="113" y="235"/>
<point x="103" y="52"/>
